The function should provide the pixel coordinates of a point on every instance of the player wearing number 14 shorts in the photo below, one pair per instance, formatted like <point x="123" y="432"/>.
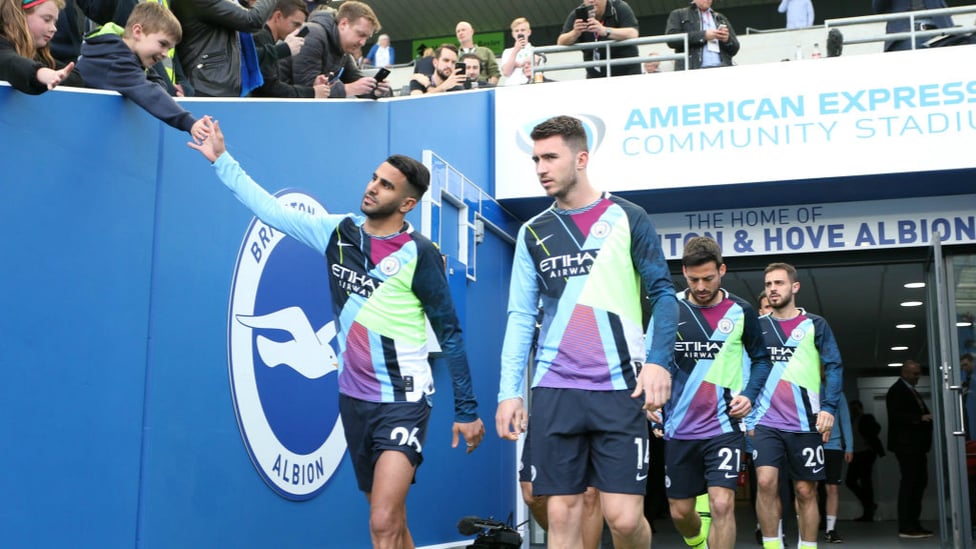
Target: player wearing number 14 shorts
<point x="720" y="365"/>
<point x="792" y="419"/>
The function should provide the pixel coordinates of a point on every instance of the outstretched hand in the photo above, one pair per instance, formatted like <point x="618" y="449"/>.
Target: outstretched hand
<point x="201" y="130"/>
<point x="51" y="78"/>
<point x="213" y="146"/>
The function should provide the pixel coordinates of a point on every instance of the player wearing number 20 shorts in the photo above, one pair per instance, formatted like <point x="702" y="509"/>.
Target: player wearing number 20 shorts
<point x="792" y="419"/>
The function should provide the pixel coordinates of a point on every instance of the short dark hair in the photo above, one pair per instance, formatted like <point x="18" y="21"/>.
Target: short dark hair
<point x="700" y="250"/>
<point x="567" y="127"/>
<point x="790" y="270"/>
<point x="442" y="47"/>
<point x="471" y="56"/>
<point x="418" y="176"/>
<point x="288" y="7"/>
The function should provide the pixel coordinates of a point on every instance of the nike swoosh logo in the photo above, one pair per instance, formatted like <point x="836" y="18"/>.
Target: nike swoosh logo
<point x="641" y="477"/>
<point x="764" y="333"/>
<point x="346" y="244"/>
<point x="817" y="470"/>
<point x="731" y="475"/>
<point x="539" y="241"/>
<point x="682" y="323"/>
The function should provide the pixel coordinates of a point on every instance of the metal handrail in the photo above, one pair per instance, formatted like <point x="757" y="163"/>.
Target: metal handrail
<point x="912" y="16"/>
<point x="606" y="45"/>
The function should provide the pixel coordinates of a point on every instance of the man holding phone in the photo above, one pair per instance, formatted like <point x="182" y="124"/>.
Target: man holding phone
<point x="283" y="36"/>
<point x="711" y="40"/>
<point x="471" y="64"/>
<point x="330" y="38"/>
<point x="603" y="20"/>
<point x="448" y="73"/>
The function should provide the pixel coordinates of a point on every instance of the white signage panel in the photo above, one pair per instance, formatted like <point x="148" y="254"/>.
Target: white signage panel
<point x="844" y="116"/>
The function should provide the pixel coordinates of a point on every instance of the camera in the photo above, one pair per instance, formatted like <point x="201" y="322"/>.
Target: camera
<point x="492" y="534"/>
<point x="520" y="36"/>
<point x="583" y="13"/>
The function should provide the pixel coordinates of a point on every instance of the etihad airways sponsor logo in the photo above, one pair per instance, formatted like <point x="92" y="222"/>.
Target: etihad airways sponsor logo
<point x="780" y="354"/>
<point x="355" y="282"/>
<point x="576" y="264"/>
<point x="698" y="349"/>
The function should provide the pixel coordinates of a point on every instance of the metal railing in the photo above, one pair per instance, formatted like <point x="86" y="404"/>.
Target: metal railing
<point x="912" y="17"/>
<point x="605" y="60"/>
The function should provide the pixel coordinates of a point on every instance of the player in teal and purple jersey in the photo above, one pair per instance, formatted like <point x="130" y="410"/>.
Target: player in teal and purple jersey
<point x="589" y="259"/>
<point x="792" y="419"/>
<point x="721" y="364"/>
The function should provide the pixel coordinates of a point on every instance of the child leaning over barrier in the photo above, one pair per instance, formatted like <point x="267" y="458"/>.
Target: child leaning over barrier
<point x="113" y="58"/>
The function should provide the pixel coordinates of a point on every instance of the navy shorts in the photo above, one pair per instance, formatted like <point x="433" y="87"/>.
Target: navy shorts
<point x="526" y="471"/>
<point x="691" y="466"/>
<point x="586" y="438"/>
<point x="376" y="427"/>
<point x="801" y="453"/>
<point x="835" y="466"/>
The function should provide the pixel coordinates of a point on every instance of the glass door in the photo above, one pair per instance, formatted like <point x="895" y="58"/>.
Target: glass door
<point x="950" y="398"/>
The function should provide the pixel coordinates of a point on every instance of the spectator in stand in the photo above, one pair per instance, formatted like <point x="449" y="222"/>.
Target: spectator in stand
<point x="513" y="58"/>
<point x="381" y="54"/>
<point x="26" y="28"/>
<point x="537" y="77"/>
<point x="446" y="77"/>
<point x="606" y="20"/>
<point x="279" y="40"/>
<point x="217" y="44"/>
<point x="472" y="72"/>
<point x="711" y="40"/>
<point x="799" y="13"/>
<point x="903" y="24"/>
<point x="489" y="66"/>
<point x="332" y="40"/>
<point x="651" y="67"/>
<point x="117" y="59"/>
<point x="425" y="63"/>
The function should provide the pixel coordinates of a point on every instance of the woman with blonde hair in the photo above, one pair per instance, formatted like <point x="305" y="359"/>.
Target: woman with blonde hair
<point x="26" y="29"/>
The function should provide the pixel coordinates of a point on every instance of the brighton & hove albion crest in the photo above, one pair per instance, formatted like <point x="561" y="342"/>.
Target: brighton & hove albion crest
<point x="282" y="360"/>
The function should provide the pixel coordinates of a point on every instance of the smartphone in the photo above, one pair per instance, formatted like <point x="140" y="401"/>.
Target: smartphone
<point x="583" y="13"/>
<point x="460" y="67"/>
<point x="381" y="74"/>
<point x="303" y="32"/>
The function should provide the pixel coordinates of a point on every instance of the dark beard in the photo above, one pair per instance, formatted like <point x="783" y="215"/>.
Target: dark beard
<point x="380" y="212"/>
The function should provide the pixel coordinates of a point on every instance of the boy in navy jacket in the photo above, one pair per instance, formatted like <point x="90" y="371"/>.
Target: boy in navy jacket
<point x="113" y="58"/>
